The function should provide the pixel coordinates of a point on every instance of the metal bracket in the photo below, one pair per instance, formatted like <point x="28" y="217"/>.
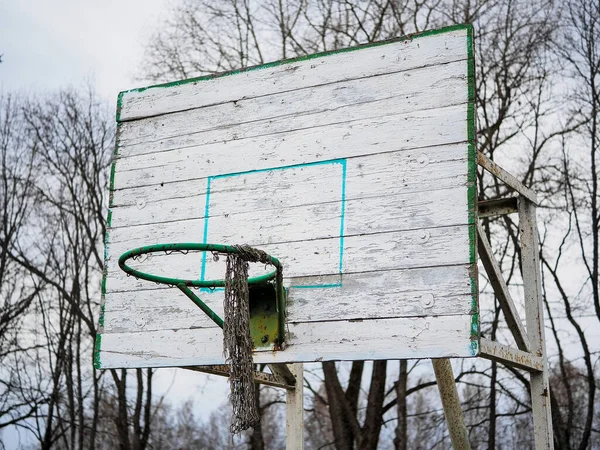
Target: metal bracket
<point x="260" y="377"/>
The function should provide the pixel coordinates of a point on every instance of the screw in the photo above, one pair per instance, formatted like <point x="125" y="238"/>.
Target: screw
<point x="265" y="338"/>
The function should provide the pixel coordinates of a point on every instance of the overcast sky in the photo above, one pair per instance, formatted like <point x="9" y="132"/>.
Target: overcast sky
<point x="50" y="44"/>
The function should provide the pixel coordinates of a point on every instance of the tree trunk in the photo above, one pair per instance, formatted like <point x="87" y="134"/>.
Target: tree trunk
<point x="374" y="414"/>
<point x="342" y="429"/>
<point x="401" y="439"/>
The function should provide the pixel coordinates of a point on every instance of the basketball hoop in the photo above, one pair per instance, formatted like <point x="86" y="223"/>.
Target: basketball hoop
<point x="238" y="341"/>
<point x="185" y="284"/>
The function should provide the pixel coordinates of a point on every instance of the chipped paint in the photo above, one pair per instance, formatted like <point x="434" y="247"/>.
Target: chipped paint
<point x="195" y="80"/>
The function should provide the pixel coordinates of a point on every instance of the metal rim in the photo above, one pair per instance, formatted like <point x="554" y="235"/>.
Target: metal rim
<point x="184" y="247"/>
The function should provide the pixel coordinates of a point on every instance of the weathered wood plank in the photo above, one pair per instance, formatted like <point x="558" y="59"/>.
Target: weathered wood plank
<point x="511" y="315"/>
<point x="382" y="251"/>
<point x="409" y="171"/>
<point x="534" y="311"/>
<point x="259" y="377"/>
<point x="302" y="222"/>
<point x="459" y="435"/>
<point x="394" y="57"/>
<point x="510" y="356"/>
<point x="398" y="293"/>
<point x="294" y="411"/>
<point x="283" y="373"/>
<point x="300" y="191"/>
<point x="364" y="137"/>
<point x="410" y="338"/>
<point x="497" y="207"/>
<point x="369" y="98"/>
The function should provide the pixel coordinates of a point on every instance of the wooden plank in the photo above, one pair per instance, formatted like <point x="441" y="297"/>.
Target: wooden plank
<point x="294" y="221"/>
<point x="270" y="198"/>
<point x="534" y="309"/>
<point x="442" y="246"/>
<point x="501" y="291"/>
<point x="438" y="86"/>
<point x="294" y="411"/>
<point x="431" y="168"/>
<point x="367" y="214"/>
<point x="506" y="177"/>
<point x="509" y="356"/>
<point x="398" y="56"/>
<point x="283" y="373"/>
<point x="497" y="207"/>
<point x="399" y="338"/>
<point x="398" y="293"/>
<point x="364" y="137"/>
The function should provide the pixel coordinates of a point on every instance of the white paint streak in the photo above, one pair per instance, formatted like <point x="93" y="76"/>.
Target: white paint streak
<point x="406" y="55"/>
<point x="312" y="341"/>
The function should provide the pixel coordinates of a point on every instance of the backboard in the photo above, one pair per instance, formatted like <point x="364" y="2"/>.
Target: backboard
<point x="355" y="168"/>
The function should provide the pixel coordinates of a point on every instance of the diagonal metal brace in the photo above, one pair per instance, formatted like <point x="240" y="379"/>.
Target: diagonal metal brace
<point x="200" y="304"/>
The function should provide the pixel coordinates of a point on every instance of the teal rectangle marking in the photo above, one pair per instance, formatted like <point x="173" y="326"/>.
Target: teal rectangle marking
<point x="341" y="161"/>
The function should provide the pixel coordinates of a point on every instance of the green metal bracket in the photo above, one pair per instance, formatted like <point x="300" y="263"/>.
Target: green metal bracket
<point x="200" y="304"/>
<point x="264" y="317"/>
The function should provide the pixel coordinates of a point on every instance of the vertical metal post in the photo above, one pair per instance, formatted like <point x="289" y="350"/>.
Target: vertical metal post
<point x="540" y="394"/>
<point x="452" y="410"/>
<point x="294" y="400"/>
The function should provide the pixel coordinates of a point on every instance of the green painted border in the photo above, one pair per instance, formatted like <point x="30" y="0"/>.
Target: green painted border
<point x="472" y="193"/>
<point x="449" y="29"/>
<point x="111" y="189"/>
<point x="472" y="162"/>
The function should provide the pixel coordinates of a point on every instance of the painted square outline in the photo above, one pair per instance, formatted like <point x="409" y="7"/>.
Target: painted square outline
<point x="341" y="161"/>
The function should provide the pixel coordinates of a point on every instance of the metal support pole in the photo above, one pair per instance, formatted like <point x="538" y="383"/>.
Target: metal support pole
<point x="294" y="400"/>
<point x="452" y="410"/>
<point x="540" y="393"/>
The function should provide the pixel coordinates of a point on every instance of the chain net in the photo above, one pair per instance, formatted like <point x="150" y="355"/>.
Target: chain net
<point x="237" y="341"/>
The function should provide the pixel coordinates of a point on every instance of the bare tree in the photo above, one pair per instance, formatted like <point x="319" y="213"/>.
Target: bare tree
<point x="55" y="175"/>
<point x="17" y="292"/>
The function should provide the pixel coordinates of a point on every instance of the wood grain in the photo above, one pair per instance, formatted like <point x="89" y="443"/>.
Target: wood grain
<point x="300" y="109"/>
<point x="365" y="137"/>
<point x="394" y="293"/>
<point x="395" y="57"/>
<point x="411" y="338"/>
<point x="381" y="251"/>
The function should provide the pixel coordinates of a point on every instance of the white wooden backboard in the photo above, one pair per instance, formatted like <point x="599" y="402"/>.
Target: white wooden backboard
<point x="355" y="168"/>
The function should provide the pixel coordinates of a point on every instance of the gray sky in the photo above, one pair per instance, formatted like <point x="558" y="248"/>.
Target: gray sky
<point x="50" y="44"/>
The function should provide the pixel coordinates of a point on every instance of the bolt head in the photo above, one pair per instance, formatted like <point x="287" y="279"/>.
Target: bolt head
<point x="427" y="300"/>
